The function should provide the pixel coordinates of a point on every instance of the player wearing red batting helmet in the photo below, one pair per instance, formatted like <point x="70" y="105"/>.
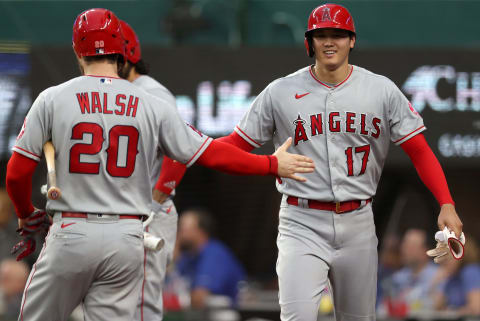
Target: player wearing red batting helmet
<point x="344" y="117"/>
<point x="328" y="16"/>
<point x="97" y="35"/>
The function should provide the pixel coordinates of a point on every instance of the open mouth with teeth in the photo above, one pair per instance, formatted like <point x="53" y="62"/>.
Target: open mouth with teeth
<point x="329" y="52"/>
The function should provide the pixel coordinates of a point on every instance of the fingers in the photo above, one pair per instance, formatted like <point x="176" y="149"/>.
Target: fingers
<point x="297" y="178"/>
<point x="301" y="158"/>
<point x="303" y="161"/>
<point x="457" y="232"/>
<point x="441" y="258"/>
<point x="286" y="144"/>
<point x="25" y="247"/>
<point x="441" y="226"/>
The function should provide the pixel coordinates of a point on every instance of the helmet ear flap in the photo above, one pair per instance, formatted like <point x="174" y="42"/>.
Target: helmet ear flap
<point x="308" y="46"/>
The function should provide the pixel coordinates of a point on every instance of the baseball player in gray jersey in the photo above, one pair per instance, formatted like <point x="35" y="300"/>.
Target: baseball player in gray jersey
<point x="164" y="223"/>
<point x="343" y="117"/>
<point x="106" y="132"/>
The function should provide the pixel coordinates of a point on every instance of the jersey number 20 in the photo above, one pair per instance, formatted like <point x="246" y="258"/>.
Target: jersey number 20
<point x="360" y="149"/>
<point x="95" y="147"/>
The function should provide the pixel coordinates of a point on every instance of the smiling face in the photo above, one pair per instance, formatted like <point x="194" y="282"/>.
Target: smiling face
<point x="331" y="47"/>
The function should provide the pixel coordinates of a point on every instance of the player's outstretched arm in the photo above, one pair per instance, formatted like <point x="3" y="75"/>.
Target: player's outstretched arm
<point x="432" y="175"/>
<point x="236" y="140"/>
<point x="230" y="159"/>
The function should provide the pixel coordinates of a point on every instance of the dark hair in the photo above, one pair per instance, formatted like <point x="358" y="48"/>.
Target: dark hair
<point x="204" y="219"/>
<point x="142" y="67"/>
<point x="112" y="58"/>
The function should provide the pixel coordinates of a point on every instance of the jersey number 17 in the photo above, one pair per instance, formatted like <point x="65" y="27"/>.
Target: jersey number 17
<point x="359" y="149"/>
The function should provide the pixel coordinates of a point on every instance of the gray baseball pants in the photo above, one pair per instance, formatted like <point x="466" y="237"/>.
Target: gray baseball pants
<point x="96" y="261"/>
<point x="315" y="246"/>
<point x="164" y="225"/>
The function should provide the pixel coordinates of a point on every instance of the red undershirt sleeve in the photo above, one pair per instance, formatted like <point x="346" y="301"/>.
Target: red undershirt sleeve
<point x="237" y="140"/>
<point x="20" y="171"/>
<point x="428" y="168"/>
<point x="170" y="175"/>
<point x="230" y="159"/>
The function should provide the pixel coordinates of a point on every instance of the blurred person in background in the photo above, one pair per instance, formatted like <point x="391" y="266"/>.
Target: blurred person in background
<point x="209" y="266"/>
<point x="412" y="287"/>
<point x="459" y="288"/>
<point x="8" y="225"/>
<point x="13" y="276"/>
<point x="389" y="261"/>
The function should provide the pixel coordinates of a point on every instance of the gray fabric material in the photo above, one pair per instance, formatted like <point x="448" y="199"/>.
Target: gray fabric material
<point x="164" y="225"/>
<point x="153" y="87"/>
<point x="95" y="260"/>
<point x="278" y="110"/>
<point x="315" y="246"/>
<point x="55" y="113"/>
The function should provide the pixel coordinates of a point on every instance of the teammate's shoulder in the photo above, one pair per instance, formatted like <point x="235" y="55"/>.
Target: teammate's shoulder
<point x="293" y="77"/>
<point x="147" y="83"/>
<point x="154" y="87"/>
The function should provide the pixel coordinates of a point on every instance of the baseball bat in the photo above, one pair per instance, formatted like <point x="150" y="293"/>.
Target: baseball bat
<point x="53" y="192"/>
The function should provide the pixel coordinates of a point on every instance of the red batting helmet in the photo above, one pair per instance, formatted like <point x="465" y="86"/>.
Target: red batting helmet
<point x="328" y="15"/>
<point x="97" y="32"/>
<point x="132" y="50"/>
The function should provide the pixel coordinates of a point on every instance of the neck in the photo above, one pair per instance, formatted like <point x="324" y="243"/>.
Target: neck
<point x="101" y="69"/>
<point x="331" y="76"/>
<point x="132" y="75"/>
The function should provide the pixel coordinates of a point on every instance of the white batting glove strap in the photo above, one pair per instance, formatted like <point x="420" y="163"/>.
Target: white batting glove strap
<point x="447" y="242"/>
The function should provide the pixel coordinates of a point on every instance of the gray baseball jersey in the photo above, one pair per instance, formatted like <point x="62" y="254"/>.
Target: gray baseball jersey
<point x="153" y="87"/>
<point x="106" y="132"/>
<point x="164" y="225"/>
<point x="346" y="129"/>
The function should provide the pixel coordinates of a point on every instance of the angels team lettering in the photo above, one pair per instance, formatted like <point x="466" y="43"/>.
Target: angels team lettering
<point x="96" y="102"/>
<point x="335" y="122"/>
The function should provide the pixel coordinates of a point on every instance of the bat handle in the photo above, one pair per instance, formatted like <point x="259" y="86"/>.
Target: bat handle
<point x="53" y="192"/>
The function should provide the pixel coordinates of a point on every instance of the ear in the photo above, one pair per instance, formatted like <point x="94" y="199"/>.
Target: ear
<point x="353" y="38"/>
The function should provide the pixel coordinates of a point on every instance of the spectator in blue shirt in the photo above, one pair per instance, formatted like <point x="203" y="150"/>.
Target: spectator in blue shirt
<point x="208" y="265"/>
<point x="460" y="290"/>
<point x="414" y="285"/>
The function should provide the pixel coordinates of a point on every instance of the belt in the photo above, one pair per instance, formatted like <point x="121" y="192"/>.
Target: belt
<point x="337" y="207"/>
<point x="85" y="215"/>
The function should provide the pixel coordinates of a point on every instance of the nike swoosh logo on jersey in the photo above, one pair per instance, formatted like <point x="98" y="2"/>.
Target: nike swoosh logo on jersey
<point x="297" y="96"/>
<point x="65" y="225"/>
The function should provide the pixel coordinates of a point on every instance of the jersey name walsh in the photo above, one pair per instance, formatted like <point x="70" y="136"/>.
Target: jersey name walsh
<point x="96" y="102"/>
<point x="336" y="122"/>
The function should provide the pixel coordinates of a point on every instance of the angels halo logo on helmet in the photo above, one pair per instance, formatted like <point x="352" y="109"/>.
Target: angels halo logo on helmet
<point x="97" y="32"/>
<point x="328" y="15"/>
